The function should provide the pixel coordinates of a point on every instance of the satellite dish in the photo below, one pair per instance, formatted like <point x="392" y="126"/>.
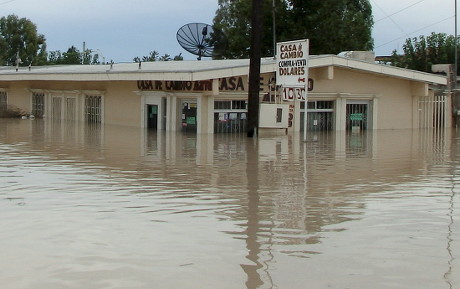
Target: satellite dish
<point x="197" y="38"/>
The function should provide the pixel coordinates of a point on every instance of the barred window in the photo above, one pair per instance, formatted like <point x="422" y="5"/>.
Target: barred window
<point x="239" y="104"/>
<point x="38" y="104"/>
<point x="222" y="104"/>
<point x="230" y="116"/>
<point x="93" y="108"/>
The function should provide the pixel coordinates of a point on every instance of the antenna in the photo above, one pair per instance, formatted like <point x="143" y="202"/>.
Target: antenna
<point x="198" y="39"/>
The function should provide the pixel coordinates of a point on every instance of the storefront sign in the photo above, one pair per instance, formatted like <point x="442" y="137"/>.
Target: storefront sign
<point x="292" y="63"/>
<point x="356" y="116"/>
<point x="234" y="84"/>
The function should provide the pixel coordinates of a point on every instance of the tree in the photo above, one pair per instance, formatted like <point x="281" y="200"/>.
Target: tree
<point x="19" y="40"/>
<point x="155" y="56"/>
<point x="72" y="56"/>
<point x="332" y="26"/>
<point x="420" y="53"/>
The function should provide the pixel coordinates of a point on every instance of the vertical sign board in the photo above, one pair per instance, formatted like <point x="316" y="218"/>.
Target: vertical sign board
<point x="292" y="71"/>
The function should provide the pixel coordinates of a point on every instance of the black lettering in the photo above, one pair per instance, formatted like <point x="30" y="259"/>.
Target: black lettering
<point x="158" y="85"/>
<point x="232" y="84"/>
<point x="149" y="85"/>
<point x="198" y="86"/>
<point x="223" y="84"/>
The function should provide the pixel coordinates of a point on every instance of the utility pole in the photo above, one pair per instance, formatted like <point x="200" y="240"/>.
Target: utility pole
<point x="274" y="28"/>
<point x="455" y="99"/>
<point x="254" y="68"/>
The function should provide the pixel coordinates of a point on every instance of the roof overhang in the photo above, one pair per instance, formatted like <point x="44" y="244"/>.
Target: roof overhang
<point x="196" y="70"/>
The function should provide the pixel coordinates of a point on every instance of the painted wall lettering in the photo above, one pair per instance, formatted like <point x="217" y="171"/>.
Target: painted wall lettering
<point x="236" y="83"/>
<point x="232" y="84"/>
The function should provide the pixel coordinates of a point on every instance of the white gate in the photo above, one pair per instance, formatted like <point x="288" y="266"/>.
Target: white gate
<point x="433" y="111"/>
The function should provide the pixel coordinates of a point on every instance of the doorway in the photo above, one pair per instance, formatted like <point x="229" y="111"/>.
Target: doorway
<point x="189" y="116"/>
<point x="152" y="116"/>
<point x="357" y="115"/>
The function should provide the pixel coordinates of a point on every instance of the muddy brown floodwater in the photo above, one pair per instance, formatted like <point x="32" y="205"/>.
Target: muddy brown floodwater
<point x="94" y="207"/>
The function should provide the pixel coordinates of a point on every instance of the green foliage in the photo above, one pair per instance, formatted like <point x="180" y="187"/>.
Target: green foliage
<point x="332" y="26"/>
<point x="19" y="37"/>
<point x="420" y="53"/>
<point x="155" y="56"/>
<point x="72" y="56"/>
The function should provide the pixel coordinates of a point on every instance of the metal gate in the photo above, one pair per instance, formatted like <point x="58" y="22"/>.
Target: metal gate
<point x="357" y="115"/>
<point x="320" y="115"/>
<point x="230" y="116"/>
<point x="432" y="111"/>
<point x="320" y="121"/>
<point x="56" y="109"/>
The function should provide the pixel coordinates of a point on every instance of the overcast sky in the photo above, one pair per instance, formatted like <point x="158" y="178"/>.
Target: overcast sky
<point x="121" y="30"/>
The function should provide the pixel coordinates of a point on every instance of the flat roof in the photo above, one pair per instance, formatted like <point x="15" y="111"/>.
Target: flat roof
<point x="194" y="70"/>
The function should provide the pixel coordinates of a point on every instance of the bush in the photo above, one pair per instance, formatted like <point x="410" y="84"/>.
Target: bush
<point x="11" y="112"/>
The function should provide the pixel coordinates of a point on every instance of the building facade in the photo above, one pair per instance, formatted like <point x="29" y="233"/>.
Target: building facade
<point x="211" y="96"/>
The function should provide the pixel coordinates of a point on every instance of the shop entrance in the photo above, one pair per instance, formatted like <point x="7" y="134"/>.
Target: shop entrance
<point x="152" y="116"/>
<point x="189" y="116"/>
<point x="357" y="117"/>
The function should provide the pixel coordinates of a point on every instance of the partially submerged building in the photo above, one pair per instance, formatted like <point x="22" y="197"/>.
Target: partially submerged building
<point x="211" y="96"/>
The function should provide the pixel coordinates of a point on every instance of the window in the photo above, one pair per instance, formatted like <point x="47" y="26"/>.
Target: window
<point x="93" y="108"/>
<point x="238" y="104"/>
<point x="324" y="105"/>
<point x="38" y="104"/>
<point x="222" y="104"/>
<point x="320" y="104"/>
<point x="279" y="115"/>
<point x="230" y="116"/>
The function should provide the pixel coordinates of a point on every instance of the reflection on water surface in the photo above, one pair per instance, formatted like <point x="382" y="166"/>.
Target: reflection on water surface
<point x="120" y="207"/>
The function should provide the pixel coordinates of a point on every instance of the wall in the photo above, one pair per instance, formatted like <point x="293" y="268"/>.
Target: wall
<point x="393" y="97"/>
<point x="123" y="104"/>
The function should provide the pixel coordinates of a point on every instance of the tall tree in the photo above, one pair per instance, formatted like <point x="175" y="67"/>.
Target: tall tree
<point x="19" y="37"/>
<point x="332" y="26"/>
<point x="422" y="52"/>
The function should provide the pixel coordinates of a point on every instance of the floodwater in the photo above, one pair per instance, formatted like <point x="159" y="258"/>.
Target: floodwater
<point x="107" y="207"/>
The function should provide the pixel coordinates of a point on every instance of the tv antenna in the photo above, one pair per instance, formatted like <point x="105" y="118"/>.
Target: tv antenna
<point x="197" y="38"/>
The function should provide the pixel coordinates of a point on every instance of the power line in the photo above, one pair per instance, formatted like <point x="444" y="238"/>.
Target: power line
<point x="7" y="2"/>
<point x="448" y="18"/>
<point x="399" y="11"/>
<point x="391" y="19"/>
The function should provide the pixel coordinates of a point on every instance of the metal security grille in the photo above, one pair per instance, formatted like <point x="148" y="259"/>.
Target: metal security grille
<point x="3" y="103"/>
<point x="432" y="111"/>
<point x="56" y="108"/>
<point x="93" y="108"/>
<point x="320" y="116"/>
<point x="38" y="104"/>
<point x="320" y="121"/>
<point x="230" y="116"/>
<point x="357" y="116"/>
<point x="71" y="108"/>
